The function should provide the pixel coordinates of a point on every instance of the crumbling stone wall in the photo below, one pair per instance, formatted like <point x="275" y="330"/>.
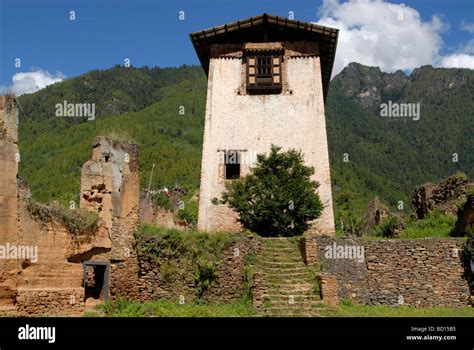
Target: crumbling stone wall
<point x="110" y="187"/>
<point x="47" y="282"/>
<point x="151" y="213"/>
<point x="181" y="286"/>
<point x="8" y="194"/>
<point x="52" y="282"/>
<point x="422" y="272"/>
<point x="50" y="302"/>
<point x="230" y="283"/>
<point x="465" y="223"/>
<point x="447" y="195"/>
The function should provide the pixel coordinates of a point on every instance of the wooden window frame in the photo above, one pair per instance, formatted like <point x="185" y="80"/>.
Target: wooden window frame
<point x="264" y="77"/>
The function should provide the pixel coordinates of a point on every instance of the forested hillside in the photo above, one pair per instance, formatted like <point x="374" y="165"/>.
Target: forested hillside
<point x="390" y="156"/>
<point x="53" y="149"/>
<point x="387" y="157"/>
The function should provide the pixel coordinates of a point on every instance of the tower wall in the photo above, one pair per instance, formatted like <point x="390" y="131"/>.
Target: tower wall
<point x="252" y="123"/>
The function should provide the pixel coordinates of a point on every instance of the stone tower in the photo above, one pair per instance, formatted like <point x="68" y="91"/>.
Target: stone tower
<point x="268" y="79"/>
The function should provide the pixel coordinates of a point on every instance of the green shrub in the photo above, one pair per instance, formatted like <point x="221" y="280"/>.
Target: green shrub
<point x="277" y="198"/>
<point x="189" y="213"/>
<point x="162" y="200"/>
<point x="388" y="227"/>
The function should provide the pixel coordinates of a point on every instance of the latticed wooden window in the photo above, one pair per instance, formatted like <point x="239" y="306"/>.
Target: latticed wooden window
<point x="264" y="73"/>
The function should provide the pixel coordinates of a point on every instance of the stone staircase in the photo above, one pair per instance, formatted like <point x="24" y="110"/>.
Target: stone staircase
<point x="285" y="286"/>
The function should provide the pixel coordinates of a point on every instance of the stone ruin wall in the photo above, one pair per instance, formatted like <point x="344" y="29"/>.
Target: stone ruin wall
<point x="26" y="286"/>
<point x="110" y="187"/>
<point x="228" y="286"/>
<point x="423" y="272"/>
<point x="8" y="196"/>
<point x="53" y="284"/>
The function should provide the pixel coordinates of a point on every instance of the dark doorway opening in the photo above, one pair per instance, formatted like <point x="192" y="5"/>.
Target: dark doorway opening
<point x="96" y="280"/>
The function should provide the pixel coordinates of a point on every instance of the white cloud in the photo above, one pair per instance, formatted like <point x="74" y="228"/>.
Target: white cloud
<point x="467" y="26"/>
<point x="460" y="60"/>
<point x="29" y="82"/>
<point x="390" y="36"/>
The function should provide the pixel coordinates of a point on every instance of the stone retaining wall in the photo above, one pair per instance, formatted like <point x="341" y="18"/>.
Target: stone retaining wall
<point x="422" y="272"/>
<point x="181" y="285"/>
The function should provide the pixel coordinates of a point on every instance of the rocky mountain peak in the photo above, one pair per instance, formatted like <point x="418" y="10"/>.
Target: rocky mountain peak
<point x="369" y="86"/>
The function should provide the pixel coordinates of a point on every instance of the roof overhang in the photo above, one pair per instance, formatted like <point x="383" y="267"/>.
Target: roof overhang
<point x="268" y="28"/>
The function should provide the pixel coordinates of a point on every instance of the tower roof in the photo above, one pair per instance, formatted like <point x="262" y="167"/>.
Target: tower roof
<point x="268" y="28"/>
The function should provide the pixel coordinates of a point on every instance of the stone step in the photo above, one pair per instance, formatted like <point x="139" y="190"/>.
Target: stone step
<point x="279" y="272"/>
<point x="283" y="312"/>
<point x="268" y="239"/>
<point x="276" y="255"/>
<point x="283" y="264"/>
<point x="264" y="260"/>
<point x="284" y="249"/>
<point x="296" y="273"/>
<point x="297" y="297"/>
<point x="306" y="304"/>
<point x="289" y="278"/>
<point x="294" y="308"/>
<point x="279" y="250"/>
<point x="282" y="273"/>
<point x="290" y="289"/>
<point x="288" y="285"/>
<point x="279" y="244"/>
<point x="279" y="258"/>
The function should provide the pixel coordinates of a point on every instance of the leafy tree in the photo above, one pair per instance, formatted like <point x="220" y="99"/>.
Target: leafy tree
<point x="278" y="198"/>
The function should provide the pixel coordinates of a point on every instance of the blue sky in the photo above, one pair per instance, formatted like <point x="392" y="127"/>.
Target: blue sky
<point x="105" y="32"/>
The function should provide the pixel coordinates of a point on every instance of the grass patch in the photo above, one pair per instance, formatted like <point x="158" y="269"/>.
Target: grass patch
<point x="436" y="224"/>
<point x="162" y="308"/>
<point x="349" y="310"/>
<point x="77" y="221"/>
<point x="243" y="308"/>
